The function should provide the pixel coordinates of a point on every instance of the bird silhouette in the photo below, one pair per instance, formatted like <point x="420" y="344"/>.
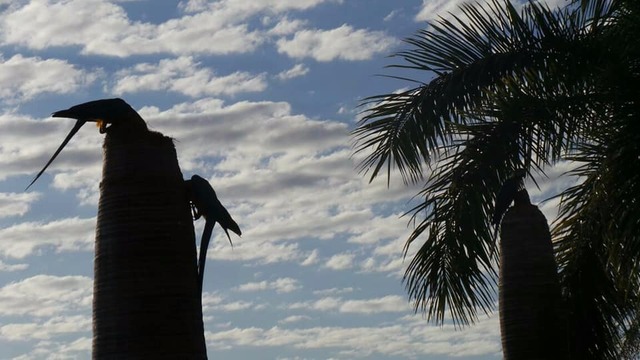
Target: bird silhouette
<point x="205" y="203"/>
<point x="102" y="112"/>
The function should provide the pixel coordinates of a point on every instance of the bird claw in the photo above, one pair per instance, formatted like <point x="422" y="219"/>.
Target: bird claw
<point x="194" y="211"/>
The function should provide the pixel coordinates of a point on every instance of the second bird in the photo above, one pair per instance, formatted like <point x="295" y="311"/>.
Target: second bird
<point x="205" y="203"/>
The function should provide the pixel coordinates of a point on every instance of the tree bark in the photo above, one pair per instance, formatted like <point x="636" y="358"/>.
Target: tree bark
<point x="145" y="303"/>
<point x="532" y="324"/>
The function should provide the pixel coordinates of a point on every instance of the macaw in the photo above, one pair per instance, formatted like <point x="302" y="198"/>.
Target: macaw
<point x="204" y="202"/>
<point x="506" y="196"/>
<point x="102" y="112"/>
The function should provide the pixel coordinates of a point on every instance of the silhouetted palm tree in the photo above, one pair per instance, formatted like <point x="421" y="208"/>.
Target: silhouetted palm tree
<point x="146" y="299"/>
<point x="531" y="310"/>
<point x="521" y="89"/>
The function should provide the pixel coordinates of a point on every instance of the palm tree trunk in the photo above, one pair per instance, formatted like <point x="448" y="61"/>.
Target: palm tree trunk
<point x="531" y="320"/>
<point x="145" y="303"/>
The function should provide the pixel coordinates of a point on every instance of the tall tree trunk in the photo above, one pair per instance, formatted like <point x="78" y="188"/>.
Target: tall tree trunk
<point x="145" y="303"/>
<point x="532" y="324"/>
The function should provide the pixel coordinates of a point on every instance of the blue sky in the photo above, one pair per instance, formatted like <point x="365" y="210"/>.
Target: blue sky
<point x="260" y="97"/>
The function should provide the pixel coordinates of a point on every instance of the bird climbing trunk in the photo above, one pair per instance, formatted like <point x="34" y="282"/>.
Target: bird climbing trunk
<point x="532" y="324"/>
<point x="146" y="303"/>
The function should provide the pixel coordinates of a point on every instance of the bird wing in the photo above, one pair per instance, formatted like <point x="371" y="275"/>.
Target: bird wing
<point x="225" y="220"/>
<point x="73" y="131"/>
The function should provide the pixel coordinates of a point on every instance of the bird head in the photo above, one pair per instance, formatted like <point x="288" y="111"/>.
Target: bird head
<point x="201" y="185"/>
<point x="102" y="112"/>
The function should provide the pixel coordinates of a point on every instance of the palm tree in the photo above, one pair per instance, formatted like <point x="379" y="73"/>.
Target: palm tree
<point x="597" y="233"/>
<point x="146" y="299"/>
<point x="531" y="311"/>
<point x="516" y="89"/>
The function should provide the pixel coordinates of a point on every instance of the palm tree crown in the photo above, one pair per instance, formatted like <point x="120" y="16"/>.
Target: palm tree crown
<point x="517" y="88"/>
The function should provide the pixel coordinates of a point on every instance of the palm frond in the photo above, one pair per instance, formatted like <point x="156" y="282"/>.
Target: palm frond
<point x="498" y="48"/>
<point x="597" y="237"/>
<point x="515" y="89"/>
<point x="453" y="270"/>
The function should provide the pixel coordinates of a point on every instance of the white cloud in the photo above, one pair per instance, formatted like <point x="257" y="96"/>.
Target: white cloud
<point x="12" y="267"/>
<point x="27" y="144"/>
<point x="103" y="27"/>
<point x="281" y="285"/>
<point x="243" y="8"/>
<point x="84" y="181"/>
<point x="212" y="302"/>
<point x="283" y="177"/>
<point x="388" y="228"/>
<point x="244" y="129"/>
<point x="25" y="77"/>
<point x="411" y="339"/>
<point x="296" y="71"/>
<point x="311" y="259"/>
<point x="21" y="240"/>
<point x="235" y="306"/>
<point x="285" y="26"/>
<point x="259" y="252"/>
<point x="52" y="327"/>
<point x="393" y="265"/>
<point x="325" y="304"/>
<point x="16" y="204"/>
<point x="293" y="319"/>
<point x="46" y="296"/>
<point x="390" y="16"/>
<point x="79" y="348"/>
<point x="192" y="6"/>
<point x="340" y="262"/>
<point x="185" y="76"/>
<point x="344" y="43"/>
<point x="334" y="291"/>
<point x="432" y="9"/>
<point x="391" y="303"/>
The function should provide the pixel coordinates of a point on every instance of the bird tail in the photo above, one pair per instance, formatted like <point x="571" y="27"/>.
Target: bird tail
<point x="229" y="237"/>
<point x="204" y="245"/>
<point x="73" y="131"/>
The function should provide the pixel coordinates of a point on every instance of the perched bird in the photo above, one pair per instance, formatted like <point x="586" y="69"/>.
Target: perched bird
<point x="506" y="196"/>
<point x="102" y="112"/>
<point x="204" y="202"/>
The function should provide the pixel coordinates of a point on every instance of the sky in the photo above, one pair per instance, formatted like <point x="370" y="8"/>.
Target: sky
<point x="260" y="97"/>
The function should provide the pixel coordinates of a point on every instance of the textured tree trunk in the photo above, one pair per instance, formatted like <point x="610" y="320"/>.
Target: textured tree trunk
<point x="532" y="324"/>
<point x="145" y="303"/>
